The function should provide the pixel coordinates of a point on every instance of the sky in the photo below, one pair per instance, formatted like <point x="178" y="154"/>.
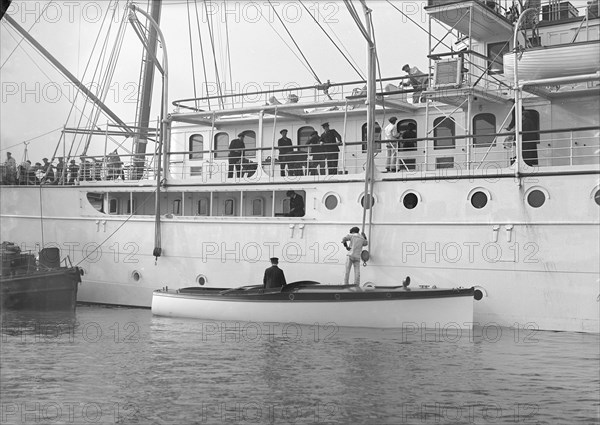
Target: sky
<point x="37" y="100"/>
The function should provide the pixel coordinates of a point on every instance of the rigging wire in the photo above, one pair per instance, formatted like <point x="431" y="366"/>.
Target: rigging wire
<point x="29" y="31"/>
<point x="119" y="227"/>
<point x="284" y="42"/>
<point x="191" y="50"/>
<point x="229" y="59"/>
<point x="202" y="52"/>
<point x="333" y="42"/>
<point x="212" y="44"/>
<point x="109" y="73"/>
<point x="346" y="50"/>
<point x="49" y="79"/>
<point x="295" y="44"/>
<point x="31" y="139"/>
<point x="77" y="93"/>
<point x="418" y="25"/>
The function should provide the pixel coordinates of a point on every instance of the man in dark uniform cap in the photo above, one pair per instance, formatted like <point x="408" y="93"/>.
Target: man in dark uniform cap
<point x="330" y="139"/>
<point x="236" y="153"/>
<point x="285" y="153"/>
<point x="296" y="204"/>
<point x="274" y="277"/>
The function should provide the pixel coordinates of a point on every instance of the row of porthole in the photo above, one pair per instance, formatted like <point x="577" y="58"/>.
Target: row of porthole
<point x="479" y="199"/>
<point x="137" y="276"/>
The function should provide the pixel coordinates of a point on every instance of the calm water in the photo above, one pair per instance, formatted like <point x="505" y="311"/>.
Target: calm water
<point x="118" y="365"/>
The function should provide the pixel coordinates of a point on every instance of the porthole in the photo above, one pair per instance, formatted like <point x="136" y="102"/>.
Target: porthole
<point x="201" y="280"/>
<point x="478" y="294"/>
<point x="536" y="198"/>
<point x="410" y="201"/>
<point x="368" y="203"/>
<point x="136" y="276"/>
<point x="331" y="202"/>
<point x="597" y="197"/>
<point x="479" y="200"/>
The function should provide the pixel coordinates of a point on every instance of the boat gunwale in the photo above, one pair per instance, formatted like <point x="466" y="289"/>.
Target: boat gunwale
<point x="326" y="293"/>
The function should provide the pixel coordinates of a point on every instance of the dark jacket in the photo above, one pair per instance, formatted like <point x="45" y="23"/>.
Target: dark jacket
<point x="236" y="148"/>
<point x="314" y="146"/>
<point x="297" y="206"/>
<point x="274" y="278"/>
<point x="285" y="146"/>
<point x="330" y="140"/>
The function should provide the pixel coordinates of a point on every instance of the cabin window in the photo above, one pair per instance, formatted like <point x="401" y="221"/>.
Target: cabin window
<point x="221" y="145"/>
<point x="495" y="54"/>
<point x="444" y="162"/>
<point x="229" y="207"/>
<point x="257" y="207"/>
<point x="196" y="146"/>
<point x="444" y="127"/>
<point x="484" y="128"/>
<point x="177" y="206"/>
<point x="304" y="134"/>
<point x="131" y="206"/>
<point x="597" y="197"/>
<point x="250" y="143"/>
<point x="202" y="207"/>
<point x="195" y="171"/>
<point x="113" y="206"/>
<point x="377" y="137"/>
<point x="96" y="200"/>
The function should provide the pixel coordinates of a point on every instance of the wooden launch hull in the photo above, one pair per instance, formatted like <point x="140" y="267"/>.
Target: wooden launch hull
<point x="380" y="307"/>
<point x="41" y="291"/>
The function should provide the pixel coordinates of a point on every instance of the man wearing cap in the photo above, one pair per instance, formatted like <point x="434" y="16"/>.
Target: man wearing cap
<point x="391" y="135"/>
<point x="285" y="153"/>
<point x="236" y="153"/>
<point x="296" y="204"/>
<point x="73" y="171"/>
<point x="317" y="153"/>
<point x="417" y="79"/>
<point x="274" y="277"/>
<point x="48" y="171"/>
<point x="11" y="168"/>
<point x="331" y="139"/>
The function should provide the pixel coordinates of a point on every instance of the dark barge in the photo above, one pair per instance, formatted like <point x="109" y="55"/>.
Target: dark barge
<point x="41" y="284"/>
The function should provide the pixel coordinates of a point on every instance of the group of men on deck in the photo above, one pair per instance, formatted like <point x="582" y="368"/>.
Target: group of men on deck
<point x="398" y="140"/>
<point x="62" y="173"/>
<point x="320" y="156"/>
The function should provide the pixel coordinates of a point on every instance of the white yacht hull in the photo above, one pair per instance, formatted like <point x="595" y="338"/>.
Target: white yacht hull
<point x="536" y="268"/>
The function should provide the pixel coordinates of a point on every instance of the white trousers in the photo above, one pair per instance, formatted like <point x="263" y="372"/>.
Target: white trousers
<point x="349" y="264"/>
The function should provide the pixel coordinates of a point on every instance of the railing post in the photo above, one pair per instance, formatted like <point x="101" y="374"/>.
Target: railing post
<point x="571" y="148"/>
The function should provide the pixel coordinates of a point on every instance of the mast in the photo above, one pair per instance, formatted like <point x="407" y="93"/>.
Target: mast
<point x="165" y="130"/>
<point x="145" y="100"/>
<point x="371" y="94"/>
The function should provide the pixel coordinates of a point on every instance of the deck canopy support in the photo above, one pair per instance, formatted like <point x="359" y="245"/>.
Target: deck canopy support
<point x="484" y="21"/>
